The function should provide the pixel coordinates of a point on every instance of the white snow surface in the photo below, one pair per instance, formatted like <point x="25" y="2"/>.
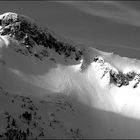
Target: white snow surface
<point x="103" y="109"/>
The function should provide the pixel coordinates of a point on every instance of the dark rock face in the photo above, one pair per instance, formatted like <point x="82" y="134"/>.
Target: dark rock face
<point x="12" y="129"/>
<point x="122" y="79"/>
<point x="118" y="78"/>
<point x="29" y="34"/>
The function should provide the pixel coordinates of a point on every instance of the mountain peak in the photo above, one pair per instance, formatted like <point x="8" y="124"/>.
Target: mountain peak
<point x="36" y="40"/>
<point x="116" y="77"/>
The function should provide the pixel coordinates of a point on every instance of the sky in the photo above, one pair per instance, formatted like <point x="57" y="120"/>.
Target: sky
<point x="112" y="26"/>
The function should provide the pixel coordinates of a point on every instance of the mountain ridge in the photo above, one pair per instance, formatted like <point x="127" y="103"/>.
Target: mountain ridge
<point x="44" y="79"/>
<point x="29" y="34"/>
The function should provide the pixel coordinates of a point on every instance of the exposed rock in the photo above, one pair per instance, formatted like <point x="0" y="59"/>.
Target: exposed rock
<point x="25" y="31"/>
<point x="117" y="77"/>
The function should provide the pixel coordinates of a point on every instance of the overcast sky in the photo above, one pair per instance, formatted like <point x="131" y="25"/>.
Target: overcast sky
<point x="107" y="25"/>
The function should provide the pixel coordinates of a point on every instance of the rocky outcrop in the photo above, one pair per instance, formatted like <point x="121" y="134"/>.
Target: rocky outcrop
<point x="117" y="77"/>
<point x="28" y="34"/>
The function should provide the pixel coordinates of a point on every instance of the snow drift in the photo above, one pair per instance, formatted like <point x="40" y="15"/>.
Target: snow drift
<point x="34" y="62"/>
<point x="87" y="76"/>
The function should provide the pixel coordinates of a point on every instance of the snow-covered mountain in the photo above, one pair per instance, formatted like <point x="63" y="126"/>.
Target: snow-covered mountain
<point x="54" y="88"/>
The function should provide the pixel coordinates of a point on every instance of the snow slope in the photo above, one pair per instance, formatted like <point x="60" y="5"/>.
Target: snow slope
<point x="51" y="88"/>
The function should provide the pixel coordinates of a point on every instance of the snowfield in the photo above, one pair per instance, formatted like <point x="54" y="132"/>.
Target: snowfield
<point x="76" y="93"/>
